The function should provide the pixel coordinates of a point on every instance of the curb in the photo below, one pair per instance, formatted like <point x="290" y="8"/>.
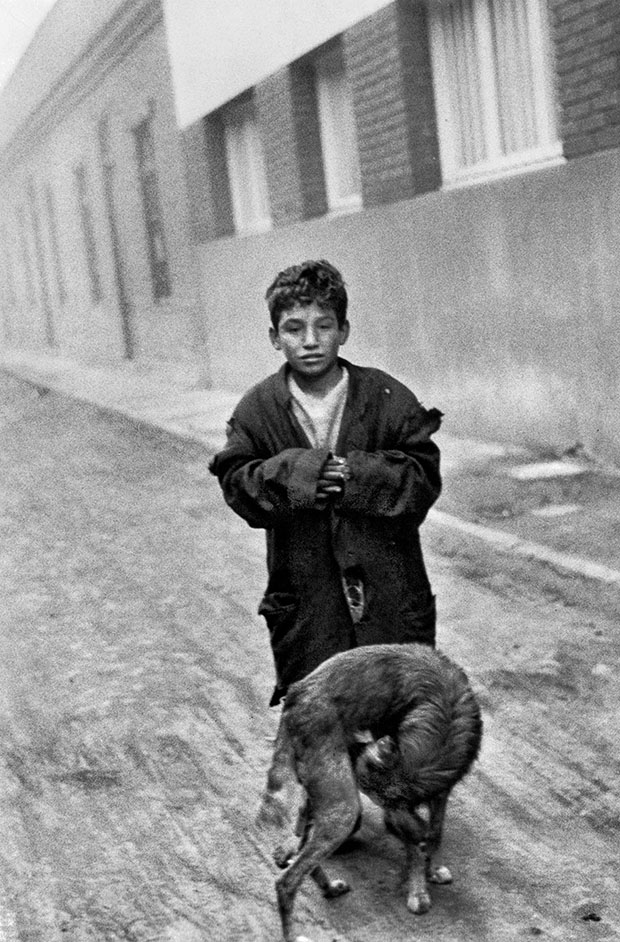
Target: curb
<point x="506" y="543"/>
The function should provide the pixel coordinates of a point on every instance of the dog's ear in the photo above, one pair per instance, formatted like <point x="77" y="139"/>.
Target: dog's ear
<point x="383" y="753"/>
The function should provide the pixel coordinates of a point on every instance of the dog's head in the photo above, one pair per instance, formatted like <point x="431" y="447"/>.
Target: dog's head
<point x="376" y="768"/>
<point x="380" y="775"/>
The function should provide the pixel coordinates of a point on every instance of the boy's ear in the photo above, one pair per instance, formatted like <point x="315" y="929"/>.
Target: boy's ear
<point x="275" y="338"/>
<point x="344" y="333"/>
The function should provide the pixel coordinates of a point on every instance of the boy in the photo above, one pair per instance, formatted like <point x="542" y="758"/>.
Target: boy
<point x="336" y="463"/>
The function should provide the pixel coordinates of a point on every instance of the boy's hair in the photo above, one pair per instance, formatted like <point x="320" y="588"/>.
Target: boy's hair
<point x="312" y="281"/>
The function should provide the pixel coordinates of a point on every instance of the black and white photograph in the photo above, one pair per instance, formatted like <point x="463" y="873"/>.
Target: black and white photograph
<point x="309" y="470"/>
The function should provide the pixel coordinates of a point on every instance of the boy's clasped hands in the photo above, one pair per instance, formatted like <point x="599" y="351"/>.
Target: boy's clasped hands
<point x="332" y="478"/>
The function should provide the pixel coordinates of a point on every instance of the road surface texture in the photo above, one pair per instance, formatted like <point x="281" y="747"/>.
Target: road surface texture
<point x="135" y="732"/>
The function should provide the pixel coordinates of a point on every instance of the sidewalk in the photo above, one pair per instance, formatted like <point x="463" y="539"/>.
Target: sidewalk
<point x="562" y="511"/>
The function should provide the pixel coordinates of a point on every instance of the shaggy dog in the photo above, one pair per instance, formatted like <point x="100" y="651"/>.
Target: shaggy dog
<point x="396" y="721"/>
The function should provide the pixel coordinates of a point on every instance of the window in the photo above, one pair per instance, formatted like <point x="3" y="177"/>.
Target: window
<point x="493" y="88"/>
<point x="9" y="287"/>
<point x="28" y="273"/>
<point x="54" y="244"/>
<point x="39" y="253"/>
<point x="88" y="233"/>
<point x="151" y="206"/>
<point x="338" y="133"/>
<point x="246" y="168"/>
<point x="9" y="296"/>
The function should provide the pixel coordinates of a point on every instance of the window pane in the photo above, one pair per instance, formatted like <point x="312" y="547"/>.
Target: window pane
<point x="246" y="169"/>
<point x="88" y="233"/>
<point x="338" y="132"/>
<point x="467" y="101"/>
<point x="151" y="207"/>
<point x="492" y="84"/>
<point x="55" y="245"/>
<point x="513" y="73"/>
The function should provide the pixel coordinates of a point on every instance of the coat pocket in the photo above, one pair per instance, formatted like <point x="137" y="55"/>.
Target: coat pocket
<point x="279" y="610"/>
<point x="419" y="623"/>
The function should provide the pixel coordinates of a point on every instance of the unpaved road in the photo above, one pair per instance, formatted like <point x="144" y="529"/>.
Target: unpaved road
<point x="134" y="730"/>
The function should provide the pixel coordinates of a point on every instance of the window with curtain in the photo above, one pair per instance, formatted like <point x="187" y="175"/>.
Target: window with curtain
<point x="493" y="86"/>
<point x="338" y="132"/>
<point x="246" y="168"/>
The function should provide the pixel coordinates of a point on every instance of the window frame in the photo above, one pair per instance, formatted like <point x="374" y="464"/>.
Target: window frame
<point x="28" y="275"/>
<point x="481" y="58"/>
<point x="152" y="209"/>
<point x="52" y="222"/>
<point x="338" y="131"/>
<point x="245" y="165"/>
<point x="87" y="224"/>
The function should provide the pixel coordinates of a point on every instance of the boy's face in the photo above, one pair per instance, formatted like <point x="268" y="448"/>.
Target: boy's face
<point x="309" y="337"/>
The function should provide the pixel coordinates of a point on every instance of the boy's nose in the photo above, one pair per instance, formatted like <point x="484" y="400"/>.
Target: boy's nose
<point x="310" y="339"/>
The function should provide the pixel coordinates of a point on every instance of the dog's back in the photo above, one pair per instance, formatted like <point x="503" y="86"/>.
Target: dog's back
<point x="408" y="691"/>
<point x="431" y="745"/>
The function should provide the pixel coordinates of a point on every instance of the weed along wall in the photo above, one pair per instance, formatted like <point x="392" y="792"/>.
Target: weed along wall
<point x="498" y="303"/>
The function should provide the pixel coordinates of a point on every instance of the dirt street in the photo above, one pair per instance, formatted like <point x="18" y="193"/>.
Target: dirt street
<point x="135" y="732"/>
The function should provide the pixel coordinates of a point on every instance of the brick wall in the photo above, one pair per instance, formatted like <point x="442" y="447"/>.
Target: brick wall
<point x="210" y="206"/>
<point x="308" y="138"/>
<point x="389" y="67"/>
<point x="274" y="111"/>
<point x="586" y="40"/>
<point x="288" y="119"/>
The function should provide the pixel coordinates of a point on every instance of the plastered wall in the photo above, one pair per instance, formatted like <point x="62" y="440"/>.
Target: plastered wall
<point x="497" y="303"/>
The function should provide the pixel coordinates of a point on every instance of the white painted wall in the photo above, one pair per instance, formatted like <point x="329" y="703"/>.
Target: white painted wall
<point x="497" y="303"/>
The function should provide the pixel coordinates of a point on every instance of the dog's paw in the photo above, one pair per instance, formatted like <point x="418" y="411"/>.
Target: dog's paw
<point x="284" y="853"/>
<point x="335" y="888"/>
<point x="419" y="902"/>
<point x="439" y="875"/>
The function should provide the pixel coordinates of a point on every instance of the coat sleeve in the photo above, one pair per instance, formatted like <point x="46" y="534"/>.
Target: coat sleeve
<point x="402" y="480"/>
<point x="264" y="491"/>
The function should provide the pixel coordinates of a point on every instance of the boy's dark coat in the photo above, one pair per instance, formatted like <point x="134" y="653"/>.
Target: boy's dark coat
<point x="268" y="473"/>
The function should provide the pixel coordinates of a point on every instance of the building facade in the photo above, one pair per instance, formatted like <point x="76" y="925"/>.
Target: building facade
<point x="96" y="252"/>
<point x="457" y="159"/>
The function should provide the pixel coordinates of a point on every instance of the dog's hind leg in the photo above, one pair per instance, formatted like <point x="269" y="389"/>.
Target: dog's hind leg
<point x="329" y="888"/>
<point x="273" y="814"/>
<point x="334" y="803"/>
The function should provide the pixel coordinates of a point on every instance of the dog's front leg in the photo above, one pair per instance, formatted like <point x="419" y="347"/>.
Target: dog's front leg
<point x="436" y="873"/>
<point x="418" y="898"/>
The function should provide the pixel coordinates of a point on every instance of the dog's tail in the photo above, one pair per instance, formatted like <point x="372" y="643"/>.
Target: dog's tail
<point x="274" y="810"/>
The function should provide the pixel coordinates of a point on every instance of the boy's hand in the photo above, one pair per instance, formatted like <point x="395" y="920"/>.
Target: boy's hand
<point x="334" y="473"/>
